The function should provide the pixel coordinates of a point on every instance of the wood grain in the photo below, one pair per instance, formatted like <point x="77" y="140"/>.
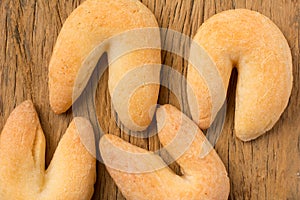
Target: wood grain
<point x="267" y="168"/>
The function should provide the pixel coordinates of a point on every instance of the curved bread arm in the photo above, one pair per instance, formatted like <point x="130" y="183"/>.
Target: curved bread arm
<point x="71" y="174"/>
<point x="203" y="178"/>
<point x="122" y="28"/>
<point x="253" y="44"/>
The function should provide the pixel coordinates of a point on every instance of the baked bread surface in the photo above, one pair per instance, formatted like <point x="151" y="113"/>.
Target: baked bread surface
<point x="89" y="26"/>
<point x="130" y="166"/>
<point x="71" y="173"/>
<point x="254" y="45"/>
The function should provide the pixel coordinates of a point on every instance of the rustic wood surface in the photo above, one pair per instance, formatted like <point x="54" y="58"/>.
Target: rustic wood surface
<point x="267" y="168"/>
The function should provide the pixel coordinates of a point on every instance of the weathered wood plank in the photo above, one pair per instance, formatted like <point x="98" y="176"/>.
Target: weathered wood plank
<point x="267" y="168"/>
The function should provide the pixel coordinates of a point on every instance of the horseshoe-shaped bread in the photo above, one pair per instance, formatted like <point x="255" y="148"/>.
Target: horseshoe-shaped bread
<point x="72" y="171"/>
<point x="88" y="27"/>
<point x="254" y="45"/>
<point x="203" y="178"/>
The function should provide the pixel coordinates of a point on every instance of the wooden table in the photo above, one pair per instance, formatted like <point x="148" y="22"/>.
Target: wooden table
<point x="267" y="168"/>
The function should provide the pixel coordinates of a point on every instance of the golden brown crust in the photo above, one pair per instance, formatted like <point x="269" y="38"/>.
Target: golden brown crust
<point x="254" y="45"/>
<point x="204" y="178"/>
<point x="88" y="26"/>
<point x="71" y="174"/>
